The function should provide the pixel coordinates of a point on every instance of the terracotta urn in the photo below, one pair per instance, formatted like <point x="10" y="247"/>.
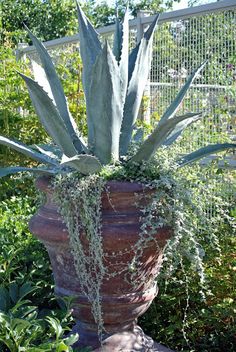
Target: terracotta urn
<point x="122" y="300"/>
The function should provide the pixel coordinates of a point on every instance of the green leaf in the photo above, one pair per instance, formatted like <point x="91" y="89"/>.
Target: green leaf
<point x="4" y="299"/>
<point x="86" y="164"/>
<point x="12" y="170"/>
<point x="71" y="339"/>
<point x="56" y="89"/>
<point x="139" y="66"/>
<point x="9" y="343"/>
<point x="25" y="289"/>
<point x="202" y="152"/>
<point x="14" y="291"/>
<point x="105" y="106"/>
<point x="180" y="127"/>
<point x="19" y="325"/>
<point x="174" y="106"/>
<point x="24" y="149"/>
<point x="158" y="136"/>
<point x="56" y="326"/>
<point x="50" y="117"/>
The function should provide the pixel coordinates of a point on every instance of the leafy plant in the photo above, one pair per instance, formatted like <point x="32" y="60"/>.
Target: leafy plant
<point x="22" y="326"/>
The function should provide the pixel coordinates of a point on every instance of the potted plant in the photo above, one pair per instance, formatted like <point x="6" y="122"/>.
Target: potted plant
<point x="113" y="201"/>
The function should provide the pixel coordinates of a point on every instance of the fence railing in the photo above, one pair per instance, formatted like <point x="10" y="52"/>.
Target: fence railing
<point x="141" y="22"/>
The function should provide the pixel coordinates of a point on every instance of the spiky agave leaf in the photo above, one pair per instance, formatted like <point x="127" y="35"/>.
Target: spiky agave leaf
<point x="180" y="127"/>
<point x="15" y="169"/>
<point x="174" y="106"/>
<point x="24" y="149"/>
<point x="41" y="78"/>
<point x="157" y="137"/>
<point x="105" y="106"/>
<point x="139" y="66"/>
<point x="204" y="151"/>
<point x="85" y="164"/>
<point x="90" y="48"/>
<point x="117" y="43"/>
<point x="48" y="149"/>
<point x="50" y="117"/>
<point x="121" y="51"/>
<point x="56" y="90"/>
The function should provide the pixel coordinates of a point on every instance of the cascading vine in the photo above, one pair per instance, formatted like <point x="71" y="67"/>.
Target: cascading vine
<point x="79" y="201"/>
<point x="168" y="203"/>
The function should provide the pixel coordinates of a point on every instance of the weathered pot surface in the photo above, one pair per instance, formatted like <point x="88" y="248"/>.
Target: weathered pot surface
<point x="122" y="301"/>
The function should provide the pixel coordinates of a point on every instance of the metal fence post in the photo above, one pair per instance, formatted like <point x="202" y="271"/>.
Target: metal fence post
<point x="144" y="112"/>
<point x="20" y="54"/>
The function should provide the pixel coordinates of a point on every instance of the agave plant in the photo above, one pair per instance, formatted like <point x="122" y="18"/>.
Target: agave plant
<point x="113" y="81"/>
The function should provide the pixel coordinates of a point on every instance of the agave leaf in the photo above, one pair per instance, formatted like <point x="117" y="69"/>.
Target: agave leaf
<point x="41" y="78"/>
<point x="86" y="164"/>
<point x="117" y="43"/>
<point x="180" y="127"/>
<point x="139" y="66"/>
<point x="202" y="152"/>
<point x="12" y="170"/>
<point x="49" y="116"/>
<point x="157" y="137"/>
<point x="138" y="135"/>
<point x="121" y="50"/>
<point x="90" y="48"/>
<point x="24" y="149"/>
<point x="124" y="56"/>
<point x="50" y="150"/>
<point x="106" y="106"/>
<point x="174" y="106"/>
<point x="56" y="89"/>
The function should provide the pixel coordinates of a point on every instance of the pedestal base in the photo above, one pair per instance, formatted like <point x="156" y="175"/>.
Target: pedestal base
<point x="131" y="341"/>
<point x="125" y="341"/>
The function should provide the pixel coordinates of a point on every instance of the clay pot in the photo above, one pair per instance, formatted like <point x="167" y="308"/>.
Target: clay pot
<point x="122" y="300"/>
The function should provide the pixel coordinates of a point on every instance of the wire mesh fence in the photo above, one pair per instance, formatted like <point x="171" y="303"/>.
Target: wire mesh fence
<point x="179" y="47"/>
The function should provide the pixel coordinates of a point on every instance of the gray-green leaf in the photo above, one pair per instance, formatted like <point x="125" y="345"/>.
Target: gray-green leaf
<point x="180" y="127"/>
<point x="158" y="136"/>
<point x="56" y="90"/>
<point x="90" y="47"/>
<point x="50" y="117"/>
<point x="85" y="164"/>
<point x="174" y="106"/>
<point x="202" y="152"/>
<point x="24" y="149"/>
<point x="139" y="66"/>
<point x="14" y="169"/>
<point x="105" y="106"/>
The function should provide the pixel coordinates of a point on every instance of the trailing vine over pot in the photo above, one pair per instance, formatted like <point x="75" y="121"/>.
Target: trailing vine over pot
<point x="81" y="173"/>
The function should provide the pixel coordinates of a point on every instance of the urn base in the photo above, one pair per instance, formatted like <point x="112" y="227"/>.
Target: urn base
<point x="133" y="340"/>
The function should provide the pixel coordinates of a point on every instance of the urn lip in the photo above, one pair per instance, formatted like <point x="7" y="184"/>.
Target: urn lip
<point x="43" y="183"/>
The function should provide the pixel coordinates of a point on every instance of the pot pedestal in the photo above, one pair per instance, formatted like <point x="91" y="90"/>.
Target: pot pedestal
<point x="126" y="292"/>
<point x="132" y="340"/>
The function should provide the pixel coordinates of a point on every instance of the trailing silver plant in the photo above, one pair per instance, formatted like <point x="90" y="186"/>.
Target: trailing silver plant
<point x="113" y="81"/>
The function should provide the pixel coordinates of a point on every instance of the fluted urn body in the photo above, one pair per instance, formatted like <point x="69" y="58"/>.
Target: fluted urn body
<point x="125" y="295"/>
